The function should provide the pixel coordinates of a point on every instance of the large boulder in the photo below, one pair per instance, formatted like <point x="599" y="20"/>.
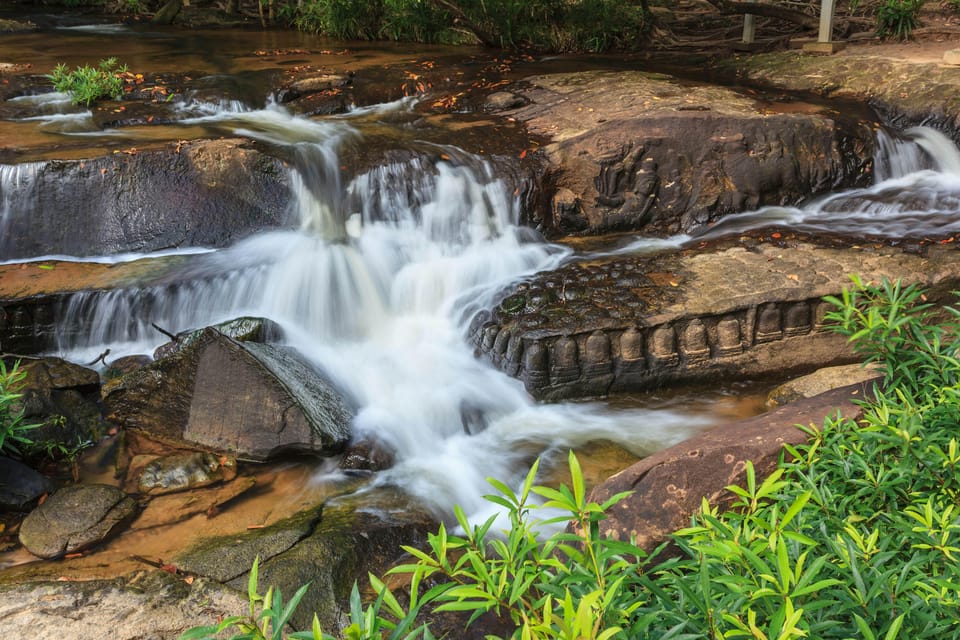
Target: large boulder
<point x="203" y="193"/>
<point x="245" y="399"/>
<point x="630" y="150"/>
<point x="75" y="518"/>
<point x="668" y="487"/>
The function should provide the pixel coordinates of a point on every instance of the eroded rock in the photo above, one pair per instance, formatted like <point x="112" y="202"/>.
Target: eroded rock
<point x="631" y="150"/>
<point x="75" y="518"/>
<point x="202" y="193"/>
<point x="821" y="381"/>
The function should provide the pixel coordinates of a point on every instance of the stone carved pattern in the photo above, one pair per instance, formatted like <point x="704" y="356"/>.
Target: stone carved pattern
<point x="628" y="356"/>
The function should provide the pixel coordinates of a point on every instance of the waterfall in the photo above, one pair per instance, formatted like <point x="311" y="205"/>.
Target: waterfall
<point x="372" y="287"/>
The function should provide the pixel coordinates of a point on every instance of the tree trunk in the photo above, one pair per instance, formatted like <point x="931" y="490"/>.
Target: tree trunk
<point x="768" y="11"/>
<point x="233" y="7"/>
<point x="461" y="19"/>
<point x="168" y="12"/>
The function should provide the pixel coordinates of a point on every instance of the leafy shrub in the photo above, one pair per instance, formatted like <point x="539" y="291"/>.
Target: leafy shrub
<point x="13" y="430"/>
<point x="88" y="84"/>
<point x="898" y="18"/>
<point x="855" y="535"/>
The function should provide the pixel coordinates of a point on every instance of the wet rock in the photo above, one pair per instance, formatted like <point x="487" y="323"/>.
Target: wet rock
<point x="367" y="455"/>
<point x="186" y="471"/>
<point x="20" y="486"/>
<point x="227" y="557"/>
<point x="202" y="193"/>
<point x="124" y="365"/>
<point x="246" y="329"/>
<point x="821" y="381"/>
<point x="154" y="605"/>
<point x="668" y="486"/>
<point x="62" y="398"/>
<point x="245" y="399"/>
<point x="503" y="100"/>
<point x="634" y="151"/>
<point x="355" y="535"/>
<point x="75" y="518"/>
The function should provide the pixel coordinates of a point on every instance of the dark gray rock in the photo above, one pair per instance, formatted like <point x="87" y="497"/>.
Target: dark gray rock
<point x="245" y="399"/>
<point x="75" y="518"/>
<point x="20" y="486"/>
<point x="203" y="193"/>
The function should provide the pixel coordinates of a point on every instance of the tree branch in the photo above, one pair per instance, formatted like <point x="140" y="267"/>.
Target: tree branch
<point x="461" y="19"/>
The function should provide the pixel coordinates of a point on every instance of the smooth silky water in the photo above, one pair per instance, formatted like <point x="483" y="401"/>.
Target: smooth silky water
<point x="378" y="284"/>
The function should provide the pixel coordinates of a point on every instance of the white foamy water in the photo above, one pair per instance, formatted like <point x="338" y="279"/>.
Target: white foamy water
<point x="374" y="284"/>
<point x="372" y="288"/>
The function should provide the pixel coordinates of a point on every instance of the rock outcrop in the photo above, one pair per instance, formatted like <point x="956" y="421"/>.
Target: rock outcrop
<point x="204" y="193"/>
<point x="668" y="486"/>
<point x="632" y="150"/>
<point x="630" y="323"/>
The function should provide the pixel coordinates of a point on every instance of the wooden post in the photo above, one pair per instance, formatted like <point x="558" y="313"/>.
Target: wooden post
<point x="749" y="27"/>
<point x="825" y="42"/>
<point x="826" y="21"/>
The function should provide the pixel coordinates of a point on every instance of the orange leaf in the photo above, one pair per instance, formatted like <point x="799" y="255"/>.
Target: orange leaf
<point x="776" y="236"/>
<point x="523" y="154"/>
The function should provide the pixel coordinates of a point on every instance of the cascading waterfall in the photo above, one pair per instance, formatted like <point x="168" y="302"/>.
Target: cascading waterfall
<point x="374" y="284"/>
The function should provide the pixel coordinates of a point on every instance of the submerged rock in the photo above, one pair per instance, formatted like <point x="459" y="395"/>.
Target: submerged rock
<point x="185" y="471"/>
<point x="248" y="400"/>
<point x="75" y="518"/>
<point x="821" y="381"/>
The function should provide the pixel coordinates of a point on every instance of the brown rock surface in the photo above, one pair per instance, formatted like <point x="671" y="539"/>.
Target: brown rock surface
<point x="669" y="485"/>
<point x="646" y="151"/>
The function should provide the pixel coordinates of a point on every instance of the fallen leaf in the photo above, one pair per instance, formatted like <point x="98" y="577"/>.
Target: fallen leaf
<point x="255" y="526"/>
<point x="169" y="568"/>
<point x="523" y="154"/>
<point x="776" y="236"/>
<point x="188" y="579"/>
<point x="793" y="277"/>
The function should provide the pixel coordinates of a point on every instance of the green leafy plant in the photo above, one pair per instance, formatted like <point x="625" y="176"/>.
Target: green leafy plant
<point x="266" y="620"/>
<point x="856" y="534"/>
<point x="898" y="18"/>
<point x="14" y="432"/>
<point x="87" y="84"/>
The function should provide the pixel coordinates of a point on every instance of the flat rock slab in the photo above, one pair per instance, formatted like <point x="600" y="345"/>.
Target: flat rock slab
<point x="634" y="150"/>
<point x="148" y="604"/>
<point x="203" y="193"/>
<point x="908" y="93"/>
<point x="75" y="518"/>
<point x="668" y="486"/>
<point x="630" y="323"/>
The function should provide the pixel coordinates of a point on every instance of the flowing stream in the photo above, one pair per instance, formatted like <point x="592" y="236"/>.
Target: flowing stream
<point x="378" y="283"/>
